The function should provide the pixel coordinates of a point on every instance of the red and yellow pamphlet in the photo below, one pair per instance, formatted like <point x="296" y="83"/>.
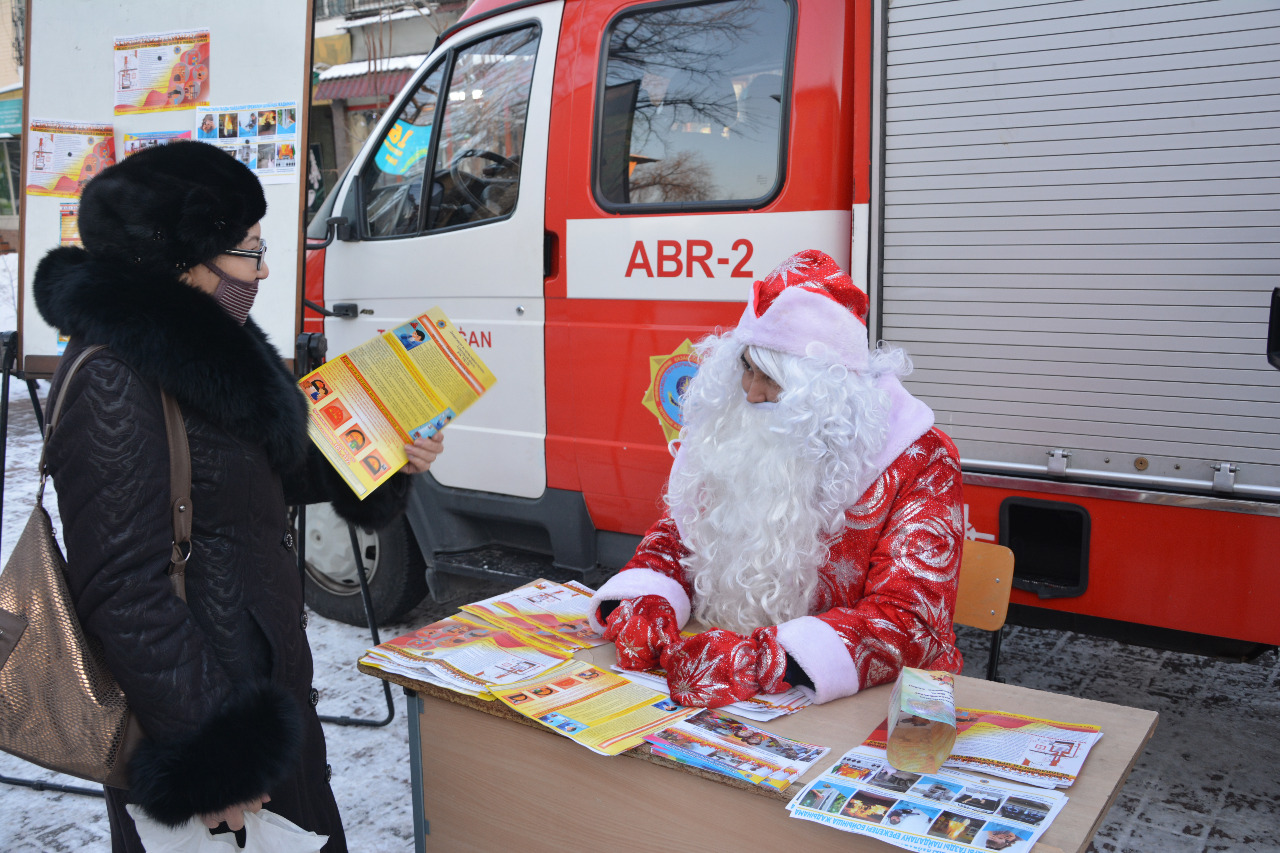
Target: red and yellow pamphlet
<point x="369" y="402"/>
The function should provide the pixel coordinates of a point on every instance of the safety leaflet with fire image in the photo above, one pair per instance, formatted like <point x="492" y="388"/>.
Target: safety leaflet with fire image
<point x="64" y="156"/>
<point x="162" y="71"/>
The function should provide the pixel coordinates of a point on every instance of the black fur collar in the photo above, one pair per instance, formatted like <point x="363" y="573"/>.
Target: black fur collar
<point x="181" y="339"/>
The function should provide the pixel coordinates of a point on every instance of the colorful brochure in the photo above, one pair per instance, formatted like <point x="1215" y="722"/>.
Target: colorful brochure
<point x="1044" y="753"/>
<point x="761" y="707"/>
<point x="949" y="811"/>
<point x="714" y="741"/>
<point x="464" y="654"/>
<point x="371" y="401"/>
<point x="162" y="71"/>
<point x="64" y="156"/>
<point x="600" y="710"/>
<point x="555" y="614"/>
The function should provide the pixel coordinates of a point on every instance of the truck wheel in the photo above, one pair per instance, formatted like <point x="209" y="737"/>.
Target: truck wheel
<point x="393" y="565"/>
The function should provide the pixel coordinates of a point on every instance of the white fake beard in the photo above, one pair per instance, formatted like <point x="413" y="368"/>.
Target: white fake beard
<point x="745" y="499"/>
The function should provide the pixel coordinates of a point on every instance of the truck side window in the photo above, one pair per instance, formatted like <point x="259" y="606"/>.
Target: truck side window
<point x="481" y="134"/>
<point x="693" y="105"/>
<point x="393" y="178"/>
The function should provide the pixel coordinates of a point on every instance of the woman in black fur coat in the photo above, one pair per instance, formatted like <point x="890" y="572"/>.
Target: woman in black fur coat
<point x="171" y="262"/>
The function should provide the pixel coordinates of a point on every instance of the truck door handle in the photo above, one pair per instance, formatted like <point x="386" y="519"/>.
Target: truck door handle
<point x="1273" y="330"/>
<point x="342" y="309"/>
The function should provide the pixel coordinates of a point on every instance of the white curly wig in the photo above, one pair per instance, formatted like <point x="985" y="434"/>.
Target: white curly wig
<point x="759" y="491"/>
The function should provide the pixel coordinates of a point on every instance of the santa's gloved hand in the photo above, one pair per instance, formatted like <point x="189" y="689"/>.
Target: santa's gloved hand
<point x="718" y="667"/>
<point x="640" y="628"/>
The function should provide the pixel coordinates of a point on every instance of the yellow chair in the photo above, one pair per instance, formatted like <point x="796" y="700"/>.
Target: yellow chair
<point x="982" y="598"/>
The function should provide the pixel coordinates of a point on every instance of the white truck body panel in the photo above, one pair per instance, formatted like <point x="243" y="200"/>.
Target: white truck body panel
<point x="500" y="445"/>
<point x="1077" y="246"/>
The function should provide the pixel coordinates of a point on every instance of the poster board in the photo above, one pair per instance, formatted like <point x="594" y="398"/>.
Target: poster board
<point x="110" y="64"/>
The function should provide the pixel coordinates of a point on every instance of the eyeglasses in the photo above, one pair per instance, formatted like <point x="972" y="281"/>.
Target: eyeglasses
<point x="258" y="254"/>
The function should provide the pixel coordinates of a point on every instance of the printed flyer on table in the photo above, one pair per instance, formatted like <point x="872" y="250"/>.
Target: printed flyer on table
<point x="262" y="136"/>
<point x="951" y="811"/>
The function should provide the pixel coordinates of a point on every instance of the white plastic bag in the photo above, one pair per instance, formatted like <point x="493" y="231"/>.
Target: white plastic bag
<point x="265" y="832"/>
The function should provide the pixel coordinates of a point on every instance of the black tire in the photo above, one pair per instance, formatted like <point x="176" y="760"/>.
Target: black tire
<point x="396" y="572"/>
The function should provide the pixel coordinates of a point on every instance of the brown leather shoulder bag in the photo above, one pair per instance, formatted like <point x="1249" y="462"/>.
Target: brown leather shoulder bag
<point x="59" y="705"/>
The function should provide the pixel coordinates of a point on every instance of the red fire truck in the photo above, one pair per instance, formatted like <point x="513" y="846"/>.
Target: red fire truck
<point x="1066" y="213"/>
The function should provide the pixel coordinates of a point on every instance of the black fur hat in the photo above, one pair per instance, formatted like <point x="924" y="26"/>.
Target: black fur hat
<point x="168" y="208"/>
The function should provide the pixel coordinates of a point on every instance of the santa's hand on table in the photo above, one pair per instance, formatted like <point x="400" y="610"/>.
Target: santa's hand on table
<point x="640" y="628"/>
<point x="718" y="667"/>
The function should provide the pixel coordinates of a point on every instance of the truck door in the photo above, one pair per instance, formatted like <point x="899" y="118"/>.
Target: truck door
<point x="445" y="206"/>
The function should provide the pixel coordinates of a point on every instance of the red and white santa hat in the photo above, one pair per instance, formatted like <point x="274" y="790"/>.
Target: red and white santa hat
<point x="808" y="298"/>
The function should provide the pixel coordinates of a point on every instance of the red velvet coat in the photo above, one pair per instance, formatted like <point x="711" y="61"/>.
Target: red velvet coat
<point x="886" y="596"/>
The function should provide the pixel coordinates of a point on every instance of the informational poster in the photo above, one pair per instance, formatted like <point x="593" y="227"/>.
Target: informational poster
<point x="132" y="143"/>
<point x="64" y="156"/>
<point x="69" y="230"/>
<point x="162" y="71"/>
<point x="69" y="224"/>
<point x="262" y="136"/>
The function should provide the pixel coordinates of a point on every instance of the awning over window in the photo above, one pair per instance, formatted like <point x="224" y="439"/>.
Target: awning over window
<point x="364" y="79"/>
<point x="365" y="86"/>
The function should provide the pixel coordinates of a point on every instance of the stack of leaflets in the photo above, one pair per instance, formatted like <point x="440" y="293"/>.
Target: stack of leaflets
<point x="593" y="707"/>
<point x="463" y="653"/>
<point x="712" y="741"/>
<point x="950" y="811"/>
<point x="555" y="614"/>
<point x="762" y="707"/>
<point x="1043" y="753"/>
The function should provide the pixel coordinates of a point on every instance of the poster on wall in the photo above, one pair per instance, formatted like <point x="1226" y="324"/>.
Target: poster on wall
<point x="162" y="71"/>
<point x="262" y="136"/>
<point x="63" y="156"/>
<point x="132" y="143"/>
<point x="69" y="224"/>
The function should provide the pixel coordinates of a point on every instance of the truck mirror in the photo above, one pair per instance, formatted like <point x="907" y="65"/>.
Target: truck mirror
<point x="340" y="227"/>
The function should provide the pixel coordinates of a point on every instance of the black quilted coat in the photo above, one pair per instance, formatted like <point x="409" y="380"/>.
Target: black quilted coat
<point x="222" y="683"/>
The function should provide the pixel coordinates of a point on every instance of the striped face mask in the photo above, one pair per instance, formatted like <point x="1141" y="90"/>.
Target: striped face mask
<point x="235" y="295"/>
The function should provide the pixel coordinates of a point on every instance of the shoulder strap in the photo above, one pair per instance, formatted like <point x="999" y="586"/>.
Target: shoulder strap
<point x="179" y="469"/>
<point x="52" y="421"/>
<point x="179" y="492"/>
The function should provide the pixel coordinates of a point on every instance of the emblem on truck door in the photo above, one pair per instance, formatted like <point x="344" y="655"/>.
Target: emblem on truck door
<point x="668" y="375"/>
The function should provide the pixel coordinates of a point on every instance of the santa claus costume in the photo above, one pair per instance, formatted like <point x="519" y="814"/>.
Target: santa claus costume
<point x="820" y="533"/>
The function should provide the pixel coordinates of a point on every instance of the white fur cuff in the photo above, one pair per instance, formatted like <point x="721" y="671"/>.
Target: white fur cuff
<point x="820" y="652"/>
<point x="633" y="583"/>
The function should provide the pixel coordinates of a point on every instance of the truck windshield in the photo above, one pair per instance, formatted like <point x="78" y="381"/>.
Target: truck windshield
<point x="693" y="103"/>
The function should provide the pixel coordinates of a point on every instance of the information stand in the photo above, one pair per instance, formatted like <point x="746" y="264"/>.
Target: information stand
<point x="109" y="72"/>
<point x="486" y="778"/>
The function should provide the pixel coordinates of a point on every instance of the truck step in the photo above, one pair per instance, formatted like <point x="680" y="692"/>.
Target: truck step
<point x="500" y="564"/>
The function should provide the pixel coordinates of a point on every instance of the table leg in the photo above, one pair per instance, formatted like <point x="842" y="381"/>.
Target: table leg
<point x="413" y="703"/>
